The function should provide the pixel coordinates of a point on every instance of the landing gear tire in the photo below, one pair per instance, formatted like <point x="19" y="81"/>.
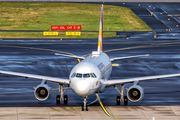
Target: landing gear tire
<point x="125" y="100"/>
<point x="58" y="99"/>
<point x="118" y="100"/>
<point x="65" y="99"/>
<point x="86" y="108"/>
<point x="82" y="108"/>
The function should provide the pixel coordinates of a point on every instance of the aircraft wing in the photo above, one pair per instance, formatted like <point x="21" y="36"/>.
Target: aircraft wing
<point x="119" y="58"/>
<point x="70" y="56"/>
<point x="54" y="79"/>
<point x="122" y="81"/>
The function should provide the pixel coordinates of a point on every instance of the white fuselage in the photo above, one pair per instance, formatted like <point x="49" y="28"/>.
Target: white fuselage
<point x="88" y="76"/>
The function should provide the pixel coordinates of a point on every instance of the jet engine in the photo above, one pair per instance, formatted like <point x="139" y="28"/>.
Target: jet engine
<point x="42" y="92"/>
<point x="135" y="93"/>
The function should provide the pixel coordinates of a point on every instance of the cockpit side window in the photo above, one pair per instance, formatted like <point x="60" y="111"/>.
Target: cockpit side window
<point x="79" y="75"/>
<point x="73" y="75"/>
<point x="86" y="75"/>
<point x="94" y="75"/>
<point x="91" y="75"/>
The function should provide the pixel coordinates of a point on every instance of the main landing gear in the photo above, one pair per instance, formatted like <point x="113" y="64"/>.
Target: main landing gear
<point x="60" y="97"/>
<point x="85" y="107"/>
<point x="122" y="98"/>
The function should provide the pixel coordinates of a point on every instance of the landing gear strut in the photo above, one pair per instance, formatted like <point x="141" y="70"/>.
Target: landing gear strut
<point x="61" y="97"/>
<point x="122" y="98"/>
<point x="85" y="107"/>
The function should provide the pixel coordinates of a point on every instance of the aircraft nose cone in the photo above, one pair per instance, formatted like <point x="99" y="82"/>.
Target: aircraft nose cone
<point x="81" y="88"/>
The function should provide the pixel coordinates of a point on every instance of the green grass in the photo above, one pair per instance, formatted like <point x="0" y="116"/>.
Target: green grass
<point x="40" y="35"/>
<point x="40" y="16"/>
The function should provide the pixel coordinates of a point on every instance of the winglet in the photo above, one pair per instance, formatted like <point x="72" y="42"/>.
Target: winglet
<point x="100" y="38"/>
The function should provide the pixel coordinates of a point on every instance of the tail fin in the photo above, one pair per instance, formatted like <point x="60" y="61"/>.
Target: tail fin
<point x="100" y="38"/>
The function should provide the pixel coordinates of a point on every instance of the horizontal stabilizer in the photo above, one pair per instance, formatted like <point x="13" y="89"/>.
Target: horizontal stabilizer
<point x="70" y="56"/>
<point x="119" y="58"/>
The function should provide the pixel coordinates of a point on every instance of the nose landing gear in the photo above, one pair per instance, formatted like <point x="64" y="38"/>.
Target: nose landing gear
<point x="85" y="107"/>
<point x="61" y="97"/>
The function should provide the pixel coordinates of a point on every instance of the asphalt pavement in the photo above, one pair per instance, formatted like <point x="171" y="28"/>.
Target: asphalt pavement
<point x="37" y="57"/>
<point x="163" y="18"/>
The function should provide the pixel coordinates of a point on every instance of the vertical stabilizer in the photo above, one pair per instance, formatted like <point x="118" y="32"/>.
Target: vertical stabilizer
<point x="100" y="38"/>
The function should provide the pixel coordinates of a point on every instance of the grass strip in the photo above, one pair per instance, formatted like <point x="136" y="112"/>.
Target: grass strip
<point x="40" y="16"/>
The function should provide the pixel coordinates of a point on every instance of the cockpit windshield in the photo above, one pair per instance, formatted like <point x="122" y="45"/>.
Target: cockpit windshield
<point x="79" y="75"/>
<point x="73" y="75"/>
<point x="86" y="75"/>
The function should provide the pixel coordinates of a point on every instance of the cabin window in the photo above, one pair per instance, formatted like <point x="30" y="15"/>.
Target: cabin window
<point x="78" y="75"/>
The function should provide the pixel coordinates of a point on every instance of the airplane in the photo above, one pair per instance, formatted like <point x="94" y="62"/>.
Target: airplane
<point x="91" y="76"/>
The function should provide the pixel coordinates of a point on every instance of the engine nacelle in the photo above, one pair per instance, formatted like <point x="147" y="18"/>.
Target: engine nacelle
<point x="42" y="92"/>
<point x="135" y="93"/>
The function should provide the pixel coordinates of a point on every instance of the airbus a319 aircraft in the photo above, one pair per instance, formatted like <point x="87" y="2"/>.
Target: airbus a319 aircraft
<point x="91" y="76"/>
